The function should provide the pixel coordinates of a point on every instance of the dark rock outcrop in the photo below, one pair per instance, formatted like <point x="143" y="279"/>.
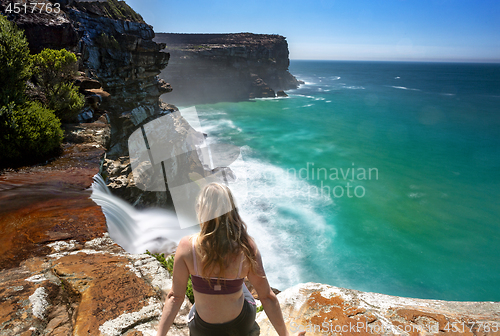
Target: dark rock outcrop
<point x="43" y="29"/>
<point x="208" y="68"/>
<point x="121" y="55"/>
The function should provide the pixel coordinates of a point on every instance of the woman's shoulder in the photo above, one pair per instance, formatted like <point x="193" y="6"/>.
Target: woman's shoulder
<point x="253" y="245"/>
<point x="185" y="244"/>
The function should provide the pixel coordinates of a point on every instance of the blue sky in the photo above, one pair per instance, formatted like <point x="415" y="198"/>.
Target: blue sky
<point x="402" y="30"/>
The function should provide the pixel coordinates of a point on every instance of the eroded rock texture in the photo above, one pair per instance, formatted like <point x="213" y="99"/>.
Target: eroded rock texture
<point x="327" y="310"/>
<point x="85" y="289"/>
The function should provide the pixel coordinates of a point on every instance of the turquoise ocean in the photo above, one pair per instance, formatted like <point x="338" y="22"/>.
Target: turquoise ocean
<point x="375" y="176"/>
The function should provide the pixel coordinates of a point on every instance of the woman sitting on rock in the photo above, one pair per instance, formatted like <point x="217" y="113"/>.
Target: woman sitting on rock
<point x="218" y="259"/>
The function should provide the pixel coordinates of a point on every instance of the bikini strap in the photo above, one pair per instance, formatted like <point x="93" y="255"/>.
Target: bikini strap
<point x="194" y="258"/>
<point x="241" y="265"/>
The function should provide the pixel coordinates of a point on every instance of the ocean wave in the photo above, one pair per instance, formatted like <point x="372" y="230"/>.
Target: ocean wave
<point x="281" y="217"/>
<point x="416" y="195"/>
<point x="404" y="88"/>
<point x="305" y="96"/>
<point x="353" y="87"/>
<point x="267" y="98"/>
<point x="218" y="125"/>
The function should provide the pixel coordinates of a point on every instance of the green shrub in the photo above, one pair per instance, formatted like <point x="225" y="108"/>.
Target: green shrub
<point x="168" y="264"/>
<point x="55" y="70"/>
<point x="15" y="63"/>
<point x="28" y="132"/>
<point x="66" y="101"/>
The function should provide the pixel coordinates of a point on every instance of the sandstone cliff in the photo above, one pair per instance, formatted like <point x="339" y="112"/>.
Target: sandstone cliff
<point x="116" y="50"/>
<point x="207" y="68"/>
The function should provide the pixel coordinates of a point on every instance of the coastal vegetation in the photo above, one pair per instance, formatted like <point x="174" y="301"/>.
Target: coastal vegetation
<point x="54" y="71"/>
<point x="15" y="63"/>
<point x="36" y="94"/>
<point x="28" y="132"/>
<point x="168" y="264"/>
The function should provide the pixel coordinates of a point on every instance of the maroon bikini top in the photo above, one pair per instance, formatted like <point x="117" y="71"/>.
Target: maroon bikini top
<point x="210" y="286"/>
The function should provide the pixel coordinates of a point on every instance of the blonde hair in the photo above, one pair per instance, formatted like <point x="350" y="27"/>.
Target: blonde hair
<point x="223" y="233"/>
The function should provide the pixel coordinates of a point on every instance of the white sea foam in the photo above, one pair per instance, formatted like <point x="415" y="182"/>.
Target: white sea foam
<point x="273" y="99"/>
<point x="279" y="210"/>
<point x="220" y="124"/>
<point x="404" y="88"/>
<point x="305" y="96"/>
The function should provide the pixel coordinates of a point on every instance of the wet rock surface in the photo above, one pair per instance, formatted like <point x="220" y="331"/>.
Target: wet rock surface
<point x="50" y="202"/>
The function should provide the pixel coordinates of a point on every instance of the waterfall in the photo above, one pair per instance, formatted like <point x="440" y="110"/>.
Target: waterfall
<point x="155" y="230"/>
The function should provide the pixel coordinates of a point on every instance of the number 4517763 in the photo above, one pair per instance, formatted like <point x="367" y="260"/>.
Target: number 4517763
<point x="33" y="7"/>
<point x="462" y="327"/>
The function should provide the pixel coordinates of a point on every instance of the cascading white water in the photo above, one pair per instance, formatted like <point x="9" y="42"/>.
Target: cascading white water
<point x="155" y="230"/>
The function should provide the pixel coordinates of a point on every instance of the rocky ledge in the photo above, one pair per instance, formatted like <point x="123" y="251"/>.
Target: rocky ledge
<point x="206" y="68"/>
<point x="327" y="310"/>
<point x="91" y="288"/>
<point x="95" y="288"/>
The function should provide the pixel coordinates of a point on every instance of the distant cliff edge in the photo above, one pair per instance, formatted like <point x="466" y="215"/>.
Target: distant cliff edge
<point x="207" y="68"/>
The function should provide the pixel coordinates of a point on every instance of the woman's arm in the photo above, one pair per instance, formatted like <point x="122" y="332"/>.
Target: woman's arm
<point x="267" y="297"/>
<point x="177" y="293"/>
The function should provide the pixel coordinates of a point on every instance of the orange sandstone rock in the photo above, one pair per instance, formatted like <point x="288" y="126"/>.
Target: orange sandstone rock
<point x="326" y="310"/>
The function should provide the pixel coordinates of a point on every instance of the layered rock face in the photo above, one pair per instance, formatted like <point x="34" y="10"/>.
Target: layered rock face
<point x="207" y="68"/>
<point x="116" y="51"/>
<point x="114" y="46"/>
<point x="42" y="28"/>
<point x="121" y="55"/>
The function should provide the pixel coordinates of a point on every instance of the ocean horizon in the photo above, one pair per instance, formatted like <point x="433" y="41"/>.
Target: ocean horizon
<point x="374" y="175"/>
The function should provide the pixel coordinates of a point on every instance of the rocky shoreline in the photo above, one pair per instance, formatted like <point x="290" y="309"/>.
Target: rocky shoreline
<point x="60" y="273"/>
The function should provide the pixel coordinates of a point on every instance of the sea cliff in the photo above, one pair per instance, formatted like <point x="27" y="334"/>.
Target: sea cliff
<point x="207" y="68"/>
<point x="62" y="275"/>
